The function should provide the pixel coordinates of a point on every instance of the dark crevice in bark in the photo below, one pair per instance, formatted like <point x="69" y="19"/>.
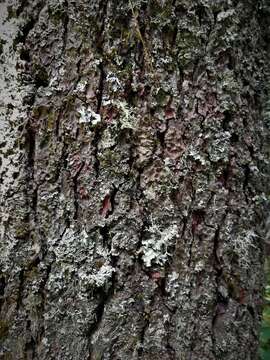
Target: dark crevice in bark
<point x="170" y="350"/>
<point x="104" y="232"/>
<point x="43" y="294"/>
<point x="162" y="285"/>
<point x="104" y="297"/>
<point x="247" y="174"/>
<point x="3" y="285"/>
<point x="20" y="289"/>
<point x="219" y="310"/>
<point x="100" y="87"/>
<point x="226" y="174"/>
<point x="23" y="4"/>
<point x="217" y="267"/>
<point x="215" y="14"/>
<point x="142" y="336"/>
<point x="227" y="119"/>
<point x="129" y="93"/>
<point x="196" y="67"/>
<point x="65" y="21"/>
<point x="78" y="66"/>
<point x="64" y="231"/>
<point x="29" y="24"/>
<point x="161" y="135"/>
<point x="30" y="141"/>
<point x="197" y="218"/>
<point x="35" y="203"/>
<point x="179" y="9"/>
<point x="175" y="25"/>
<point x="200" y="12"/>
<point x="41" y="77"/>
<point x="112" y="199"/>
<point x="33" y="263"/>
<point x="30" y="345"/>
<point x="251" y="151"/>
<point x="234" y="138"/>
<point x="174" y="36"/>
<point x="100" y="35"/>
<point x="94" y="144"/>
<point x="251" y="311"/>
<point x="106" y="206"/>
<point x="22" y="35"/>
<point x="75" y="191"/>
<point x="62" y="163"/>
<point x="185" y="221"/>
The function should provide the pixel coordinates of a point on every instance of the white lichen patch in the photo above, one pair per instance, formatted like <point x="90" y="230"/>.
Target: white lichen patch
<point x="127" y="117"/>
<point x="242" y="246"/>
<point x="114" y="81"/>
<point x="81" y="86"/>
<point x="225" y="14"/>
<point x="199" y="266"/>
<point x="172" y="283"/>
<point x="108" y="140"/>
<point x="88" y="116"/>
<point x="219" y="148"/>
<point x="53" y="82"/>
<point x="100" y="278"/>
<point x="155" y="249"/>
<point x="196" y="155"/>
<point x="71" y="246"/>
<point x="74" y="255"/>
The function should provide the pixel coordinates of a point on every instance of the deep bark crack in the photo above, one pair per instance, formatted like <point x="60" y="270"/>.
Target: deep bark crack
<point x="75" y="191"/>
<point x="104" y="299"/>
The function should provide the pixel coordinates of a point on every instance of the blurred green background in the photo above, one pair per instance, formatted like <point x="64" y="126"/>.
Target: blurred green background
<point x="265" y="328"/>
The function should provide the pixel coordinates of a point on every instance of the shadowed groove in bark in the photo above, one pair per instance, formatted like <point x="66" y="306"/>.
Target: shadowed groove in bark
<point x="104" y="298"/>
<point x="65" y="20"/>
<point x="75" y="191"/>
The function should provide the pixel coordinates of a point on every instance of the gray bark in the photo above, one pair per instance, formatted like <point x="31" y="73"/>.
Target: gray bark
<point x="133" y="179"/>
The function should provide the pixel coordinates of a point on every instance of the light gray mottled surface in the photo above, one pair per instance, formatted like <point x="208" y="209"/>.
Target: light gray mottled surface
<point x="134" y="179"/>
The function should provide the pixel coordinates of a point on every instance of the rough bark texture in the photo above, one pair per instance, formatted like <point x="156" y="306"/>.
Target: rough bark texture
<point x="133" y="179"/>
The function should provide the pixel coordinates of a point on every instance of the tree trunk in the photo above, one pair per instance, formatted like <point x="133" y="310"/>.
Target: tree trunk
<point x="133" y="179"/>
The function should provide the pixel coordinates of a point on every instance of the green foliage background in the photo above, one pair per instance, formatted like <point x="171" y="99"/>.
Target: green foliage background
<point x="265" y="328"/>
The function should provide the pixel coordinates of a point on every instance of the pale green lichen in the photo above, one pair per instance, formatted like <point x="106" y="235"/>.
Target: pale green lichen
<point x="172" y="283"/>
<point x="99" y="278"/>
<point x="242" y="245"/>
<point x="219" y="147"/>
<point x="127" y="119"/>
<point x="113" y="80"/>
<point x="88" y="116"/>
<point x="155" y="249"/>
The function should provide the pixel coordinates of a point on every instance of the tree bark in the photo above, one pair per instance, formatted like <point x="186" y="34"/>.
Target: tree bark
<point x="133" y="179"/>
